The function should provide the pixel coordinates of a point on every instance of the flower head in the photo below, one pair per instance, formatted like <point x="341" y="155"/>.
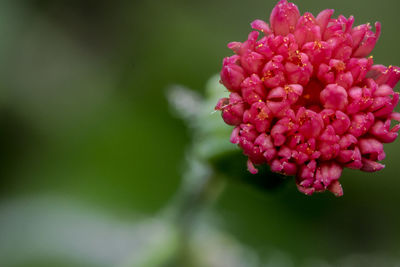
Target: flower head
<point x="306" y="100"/>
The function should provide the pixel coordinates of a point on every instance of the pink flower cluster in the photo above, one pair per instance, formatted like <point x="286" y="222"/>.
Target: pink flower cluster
<point x="306" y="100"/>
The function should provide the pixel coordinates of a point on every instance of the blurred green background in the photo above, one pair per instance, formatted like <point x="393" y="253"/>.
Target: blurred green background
<point x="84" y="115"/>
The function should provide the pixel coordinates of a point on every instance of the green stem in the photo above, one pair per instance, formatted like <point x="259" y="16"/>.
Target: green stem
<point x="196" y="194"/>
<point x="200" y="188"/>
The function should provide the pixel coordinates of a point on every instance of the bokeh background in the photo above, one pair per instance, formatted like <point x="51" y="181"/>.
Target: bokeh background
<point x="88" y="145"/>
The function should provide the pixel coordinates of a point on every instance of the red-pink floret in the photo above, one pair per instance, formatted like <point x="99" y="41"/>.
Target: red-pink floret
<point x="305" y="99"/>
